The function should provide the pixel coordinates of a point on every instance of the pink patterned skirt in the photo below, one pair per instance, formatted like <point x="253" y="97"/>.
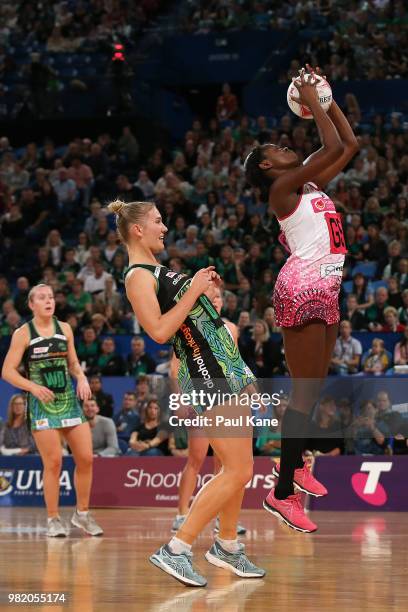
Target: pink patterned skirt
<point x="308" y="291"/>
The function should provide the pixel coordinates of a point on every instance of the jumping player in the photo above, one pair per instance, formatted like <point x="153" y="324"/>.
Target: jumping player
<point x="197" y="440"/>
<point x="170" y="305"/>
<point x="306" y="291"/>
<point x="46" y="347"/>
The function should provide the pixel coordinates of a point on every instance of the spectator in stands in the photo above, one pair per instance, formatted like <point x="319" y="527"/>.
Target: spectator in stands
<point x="145" y="185"/>
<point x="370" y="437"/>
<point x="138" y="361"/>
<point x="21" y="296"/>
<point x="347" y="351"/>
<point x="403" y="311"/>
<point x="385" y="414"/>
<point x="88" y="348"/>
<point x="401" y="350"/>
<point x="361" y="289"/>
<point x="15" y="437"/>
<point x="109" y="362"/>
<point x="128" y="418"/>
<point x="394" y="292"/>
<point x="104" y="400"/>
<point x="375" y="313"/>
<point x="230" y="310"/>
<point x="104" y="438"/>
<point x="261" y="353"/>
<point x="178" y="442"/>
<point x="128" y="145"/>
<point x="148" y="439"/>
<point x="325" y="430"/>
<point x="352" y="313"/>
<point x="376" y="361"/>
<point x="127" y="192"/>
<point x="391" y="321"/>
<point x="96" y="282"/>
<point x="62" y="309"/>
<point x="143" y="394"/>
<point x="227" y="104"/>
<point x="83" y="176"/>
<point x="66" y="191"/>
<point x="269" y="439"/>
<point x="79" y="300"/>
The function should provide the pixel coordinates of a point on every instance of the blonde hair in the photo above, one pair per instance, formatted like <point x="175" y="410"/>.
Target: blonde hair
<point x="128" y="213"/>
<point x="266" y="335"/>
<point x="10" y="413"/>
<point x="32" y="291"/>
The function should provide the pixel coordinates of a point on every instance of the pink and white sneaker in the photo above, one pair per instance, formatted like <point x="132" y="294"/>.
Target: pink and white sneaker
<point x="290" y="511"/>
<point x="304" y="480"/>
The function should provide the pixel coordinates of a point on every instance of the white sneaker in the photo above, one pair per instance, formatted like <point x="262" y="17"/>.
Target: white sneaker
<point x="56" y="529"/>
<point x="87" y="523"/>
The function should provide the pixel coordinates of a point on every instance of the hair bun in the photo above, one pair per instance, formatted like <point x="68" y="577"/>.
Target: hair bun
<point x="116" y="207"/>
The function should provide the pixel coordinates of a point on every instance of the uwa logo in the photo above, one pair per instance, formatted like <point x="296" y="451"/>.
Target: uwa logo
<point x="367" y="486"/>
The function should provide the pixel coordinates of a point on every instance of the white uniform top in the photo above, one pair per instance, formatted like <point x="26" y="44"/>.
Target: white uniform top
<point x="314" y="230"/>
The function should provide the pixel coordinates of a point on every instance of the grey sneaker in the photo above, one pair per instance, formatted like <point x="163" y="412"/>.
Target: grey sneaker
<point x="241" y="530"/>
<point x="179" y="566"/>
<point x="235" y="562"/>
<point x="177" y="523"/>
<point x="56" y="529"/>
<point x="86" y="523"/>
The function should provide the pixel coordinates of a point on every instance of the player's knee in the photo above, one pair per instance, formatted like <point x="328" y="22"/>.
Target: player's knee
<point x="195" y="462"/>
<point x="242" y="473"/>
<point x="84" y="461"/>
<point x="53" y="464"/>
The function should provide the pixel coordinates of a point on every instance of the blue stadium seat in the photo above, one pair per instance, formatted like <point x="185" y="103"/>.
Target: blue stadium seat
<point x="368" y="268"/>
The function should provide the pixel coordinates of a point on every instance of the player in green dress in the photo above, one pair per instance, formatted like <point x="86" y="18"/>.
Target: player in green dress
<point x="46" y="348"/>
<point x="172" y="306"/>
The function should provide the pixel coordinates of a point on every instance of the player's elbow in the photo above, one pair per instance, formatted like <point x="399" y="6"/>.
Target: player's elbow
<point x="353" y="147"/>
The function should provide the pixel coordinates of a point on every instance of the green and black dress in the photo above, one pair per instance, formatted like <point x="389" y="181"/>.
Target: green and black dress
<point x="46" y="364"/>
<point x="209" y="357"/>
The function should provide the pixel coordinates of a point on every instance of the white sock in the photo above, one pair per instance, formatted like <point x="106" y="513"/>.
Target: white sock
<point x="82" y="512"/>
<point x="231" y="546"/>
<point x="180" y="516"/>
<point x="178" y="546"/>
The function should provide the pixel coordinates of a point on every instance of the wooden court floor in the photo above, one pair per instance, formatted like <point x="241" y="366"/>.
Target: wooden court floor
<point x="355" y="562"/>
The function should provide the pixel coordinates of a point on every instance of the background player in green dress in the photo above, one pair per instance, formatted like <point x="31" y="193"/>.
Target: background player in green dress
<point x="46" y="348"/>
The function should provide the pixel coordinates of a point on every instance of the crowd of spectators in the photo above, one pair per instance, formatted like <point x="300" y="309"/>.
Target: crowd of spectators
<point x="53" y="198"/>
<point x="141" y="428"/>
<point x="350" y="40"/>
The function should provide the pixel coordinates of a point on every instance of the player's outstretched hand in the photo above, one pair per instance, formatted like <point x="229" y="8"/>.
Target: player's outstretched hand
<point x="83" y="389"/>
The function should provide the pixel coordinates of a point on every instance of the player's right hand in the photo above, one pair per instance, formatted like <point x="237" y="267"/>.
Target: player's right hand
<point x="306" y="89"/>
<point x="43" y="394"/>
<point x="202" y="280"/>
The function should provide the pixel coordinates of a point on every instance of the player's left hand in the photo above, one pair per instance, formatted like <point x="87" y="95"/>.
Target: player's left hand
<point x="316" y="71"/>
<point x="215" y="278"/>
<point x="83" y="389"/>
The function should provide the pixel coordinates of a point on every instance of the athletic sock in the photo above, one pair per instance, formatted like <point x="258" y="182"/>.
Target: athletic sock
<point x="178" y="546"/>
<point x="180" y="516"/>
<point x="82" y="512"/>
<point x="295" y="426"/>
<point x="231" y="546"/>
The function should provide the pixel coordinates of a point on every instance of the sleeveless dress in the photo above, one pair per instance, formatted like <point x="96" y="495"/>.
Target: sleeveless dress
<point x="46" y="364"/>
<point x="209" y="358"/>
<point x="308" y="285"/>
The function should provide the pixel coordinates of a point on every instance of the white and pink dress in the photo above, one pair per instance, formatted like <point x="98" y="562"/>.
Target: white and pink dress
<point x="308" y="285"/>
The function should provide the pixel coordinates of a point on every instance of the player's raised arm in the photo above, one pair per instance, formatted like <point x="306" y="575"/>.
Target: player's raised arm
<point x="347" y="137"/>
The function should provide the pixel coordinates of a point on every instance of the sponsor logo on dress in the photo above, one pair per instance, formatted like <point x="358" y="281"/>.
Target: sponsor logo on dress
<point x="6" y="477"/>
<point x="40" y="349"/>
<point x="41" y="424"/>
<point x="367" y="486"/>
<point x="331" y="270"/>
<point x="71" y="422"/>
<point x="322" y="204"/>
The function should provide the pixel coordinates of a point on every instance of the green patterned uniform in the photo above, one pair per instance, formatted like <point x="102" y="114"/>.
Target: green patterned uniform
<point x="209" y="357"/>
<point x="46" y="364"/>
